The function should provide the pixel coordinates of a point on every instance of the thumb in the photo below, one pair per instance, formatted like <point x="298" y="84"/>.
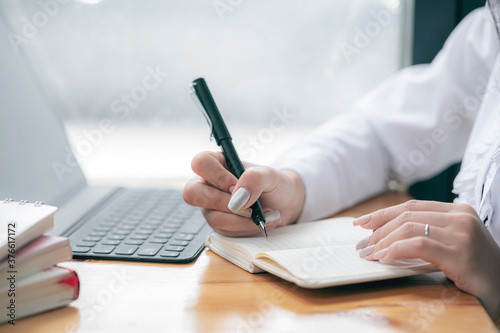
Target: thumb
<point x="252" y="183"/>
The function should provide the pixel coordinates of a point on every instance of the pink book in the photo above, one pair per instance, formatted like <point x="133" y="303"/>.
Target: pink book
<point x="41" y="253"/>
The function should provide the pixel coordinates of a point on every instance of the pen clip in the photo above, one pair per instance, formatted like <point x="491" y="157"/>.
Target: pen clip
<point x="201" y="109"/>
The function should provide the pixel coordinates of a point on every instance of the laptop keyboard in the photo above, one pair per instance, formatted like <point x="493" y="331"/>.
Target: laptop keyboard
<point x="143" y="225"/>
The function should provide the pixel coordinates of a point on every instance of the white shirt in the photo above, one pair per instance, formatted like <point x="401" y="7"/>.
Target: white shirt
<point x="414" y="125"/>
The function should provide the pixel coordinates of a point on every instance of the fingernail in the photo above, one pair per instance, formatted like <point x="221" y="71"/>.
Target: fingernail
<point x="362" y="220"/>
<point x="272" y="216"/>
<point x="363" y="242"/>
<point x="247" y="212"/>
<point x="238" y="200"/>
<point x="231" y="188"/>
<point x="380" y="254"/>
<point x="366" y="251"/>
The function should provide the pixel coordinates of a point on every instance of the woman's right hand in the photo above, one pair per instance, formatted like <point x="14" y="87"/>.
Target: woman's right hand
<point x="224" y="198"/>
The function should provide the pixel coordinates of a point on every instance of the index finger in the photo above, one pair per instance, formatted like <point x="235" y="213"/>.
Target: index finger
<point x="211" y="167"/>
<point x="423" y="248"/>
<point x="380" y="217"/>
<point x="232" y="225"/>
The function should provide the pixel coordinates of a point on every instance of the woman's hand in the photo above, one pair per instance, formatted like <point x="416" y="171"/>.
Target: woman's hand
<point x="458" y="244"/>
<point x="225" y="200"/>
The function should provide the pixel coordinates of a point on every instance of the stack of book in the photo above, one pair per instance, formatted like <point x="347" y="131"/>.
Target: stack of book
<point x="30" y="280"/>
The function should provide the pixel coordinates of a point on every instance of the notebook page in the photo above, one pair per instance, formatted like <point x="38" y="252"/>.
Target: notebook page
<point x="334" y="263"/>
<point x="336" y="231"/>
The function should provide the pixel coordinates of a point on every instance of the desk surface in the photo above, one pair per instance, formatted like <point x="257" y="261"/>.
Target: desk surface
<point x="212" y="295"/>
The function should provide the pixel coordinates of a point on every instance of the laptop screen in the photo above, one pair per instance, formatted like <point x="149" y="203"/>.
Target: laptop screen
<point x="36" y="161"/>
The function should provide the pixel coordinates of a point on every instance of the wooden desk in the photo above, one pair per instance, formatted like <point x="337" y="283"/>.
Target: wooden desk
<point x="212" y="295"/>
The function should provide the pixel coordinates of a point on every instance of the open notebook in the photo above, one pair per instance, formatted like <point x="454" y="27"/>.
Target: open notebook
<point x="313" y="255"/>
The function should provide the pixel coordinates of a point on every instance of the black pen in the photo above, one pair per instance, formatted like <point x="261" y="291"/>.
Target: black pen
<point x="199" y="89"/>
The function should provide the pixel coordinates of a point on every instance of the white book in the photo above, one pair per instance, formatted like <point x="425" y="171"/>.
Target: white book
<point x="21" y="222"/>
<point x="313" y="255"/>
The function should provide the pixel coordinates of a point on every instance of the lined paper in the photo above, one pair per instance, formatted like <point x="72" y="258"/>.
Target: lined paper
<point x="338" y="231"/>
<point x="333" y="262"/>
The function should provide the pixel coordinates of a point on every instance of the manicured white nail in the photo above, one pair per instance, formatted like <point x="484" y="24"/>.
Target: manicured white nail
<point x="238" y="200"/>
<point x="247" y="212"/>
<point x="366" y="251"/>
<point x="272" y="216"/>
<point x="363" y="242"/>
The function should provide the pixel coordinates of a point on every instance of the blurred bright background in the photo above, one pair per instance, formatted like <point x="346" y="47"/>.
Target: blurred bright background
<point x="287" y="62"/>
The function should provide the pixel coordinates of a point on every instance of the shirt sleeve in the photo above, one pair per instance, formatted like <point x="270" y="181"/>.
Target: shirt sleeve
<point x="412" y="126"/>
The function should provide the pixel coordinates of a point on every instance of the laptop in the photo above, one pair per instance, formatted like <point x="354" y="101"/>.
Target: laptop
<point x="37" y="164"/>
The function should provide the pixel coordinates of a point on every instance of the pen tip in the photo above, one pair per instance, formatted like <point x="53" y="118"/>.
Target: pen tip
<point x="262" y="228"/>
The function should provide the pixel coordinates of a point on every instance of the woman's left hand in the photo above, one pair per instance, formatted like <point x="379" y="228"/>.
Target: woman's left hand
<point x="458" y="243"/>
